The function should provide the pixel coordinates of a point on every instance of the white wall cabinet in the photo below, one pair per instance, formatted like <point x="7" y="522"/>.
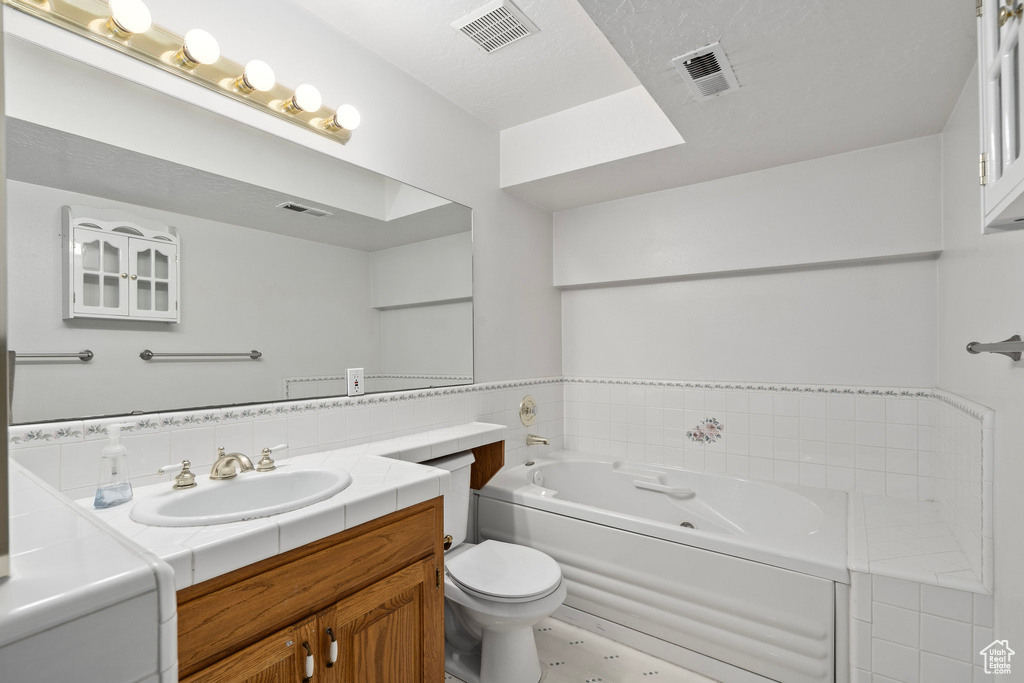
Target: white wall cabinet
<point x="119" y="267"/>
<point x="1000" y="64"/>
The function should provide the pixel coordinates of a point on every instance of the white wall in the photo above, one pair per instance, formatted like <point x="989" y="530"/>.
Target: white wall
<point x="240" y="289"/>
<point x="431" y="340"/>
<point x="440" y="269"/>
<point x="410" y="133"/>
<point x="979" y="285"/>
<point x="878" y="202"/>
<point x="731" y="280"/>
<point x="614" y="127"/>
<point x="861" y="325"/>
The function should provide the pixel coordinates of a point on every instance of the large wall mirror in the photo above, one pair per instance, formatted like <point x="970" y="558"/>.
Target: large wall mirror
<point x="378" y="275"/>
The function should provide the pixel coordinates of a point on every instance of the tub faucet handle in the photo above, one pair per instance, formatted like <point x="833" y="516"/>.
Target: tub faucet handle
<point x="534" y="440"/>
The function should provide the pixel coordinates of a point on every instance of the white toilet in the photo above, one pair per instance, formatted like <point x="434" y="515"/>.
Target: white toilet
<point x="494" y="594"/>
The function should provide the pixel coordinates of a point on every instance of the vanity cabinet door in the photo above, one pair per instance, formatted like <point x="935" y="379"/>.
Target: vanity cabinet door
<point x="278" y="658"/>
<point x="389" y="632"/>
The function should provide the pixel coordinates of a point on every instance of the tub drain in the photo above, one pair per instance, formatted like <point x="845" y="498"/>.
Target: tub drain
<point x="687" y="525"/>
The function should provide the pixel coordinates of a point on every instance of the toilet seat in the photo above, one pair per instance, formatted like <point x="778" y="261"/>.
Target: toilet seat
<point x="504" y="572"/>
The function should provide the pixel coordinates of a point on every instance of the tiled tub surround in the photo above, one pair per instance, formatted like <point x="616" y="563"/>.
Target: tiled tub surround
<point x="887" y="444"/>
<point x="81" y="597"/>
<point x="912" y="632"/>
<point x="66" y="454"/>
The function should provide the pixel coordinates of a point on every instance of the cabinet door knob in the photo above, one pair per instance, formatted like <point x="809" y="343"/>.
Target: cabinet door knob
<point x="332" y="651"/>
<point x="309" y="662"/>
<point x="134" y="276"/>
<point x="124" y="275"/>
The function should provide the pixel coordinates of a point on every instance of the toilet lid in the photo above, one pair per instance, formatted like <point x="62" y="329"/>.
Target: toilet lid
<point x="504" y="570"/>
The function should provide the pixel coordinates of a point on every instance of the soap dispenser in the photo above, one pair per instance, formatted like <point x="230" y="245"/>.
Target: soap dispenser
<point x="114" y="486"/>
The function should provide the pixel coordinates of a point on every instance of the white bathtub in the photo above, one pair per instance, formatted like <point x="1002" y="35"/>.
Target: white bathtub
<point x="752" y="585"/>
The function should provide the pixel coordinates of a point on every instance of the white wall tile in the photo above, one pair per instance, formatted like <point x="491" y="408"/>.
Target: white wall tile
<point x="841" y="408"/>
<point x="303" y="432"/>
<point x="896" y="592"/>
<point x="869" y="409"/>
<point x="42" y="461"/>
<point x="946" y="602"/>
<point x="895" y="624"/>
<point x="947" y="637"/>
<point x="898" y="662"/>
<point x="938" y="669"/>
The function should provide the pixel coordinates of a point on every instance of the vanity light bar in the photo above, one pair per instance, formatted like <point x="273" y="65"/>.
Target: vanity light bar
<point x="126" y="26"/>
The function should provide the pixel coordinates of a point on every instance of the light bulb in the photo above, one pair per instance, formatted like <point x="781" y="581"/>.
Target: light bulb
<point x="129" y="16"/>
<point x="306" y="98"/>
<point x="199" y="47"/>
<point x="257" y="75"/>
<point x="347" y="117"/>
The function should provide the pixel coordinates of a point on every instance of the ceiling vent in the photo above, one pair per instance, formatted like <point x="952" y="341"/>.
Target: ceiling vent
<point x="495" y="25"/>
<point x="707" y="72"/>
<point x="307" y="210"/>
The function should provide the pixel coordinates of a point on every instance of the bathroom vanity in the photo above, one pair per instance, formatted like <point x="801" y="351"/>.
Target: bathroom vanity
<point x="362" y="605"/>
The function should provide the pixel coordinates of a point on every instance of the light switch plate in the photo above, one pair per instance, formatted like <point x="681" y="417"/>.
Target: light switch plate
<point x="355" y="381"/>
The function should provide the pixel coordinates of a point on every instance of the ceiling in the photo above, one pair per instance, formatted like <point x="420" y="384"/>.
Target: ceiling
<point x="44" y="156"/>
<point x="568" y="62"/>
<point x="817" y="77"/>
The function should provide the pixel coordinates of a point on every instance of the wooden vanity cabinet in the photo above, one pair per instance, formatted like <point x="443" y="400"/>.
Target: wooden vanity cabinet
<point x="377" y="587"/>
<point x="280" y="657"/>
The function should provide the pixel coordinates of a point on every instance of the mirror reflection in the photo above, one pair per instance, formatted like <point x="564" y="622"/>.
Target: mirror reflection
<point x="118" y="250"/>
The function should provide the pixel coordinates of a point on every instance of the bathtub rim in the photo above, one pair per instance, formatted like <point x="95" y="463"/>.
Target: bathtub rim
<point x="825" y="556"/>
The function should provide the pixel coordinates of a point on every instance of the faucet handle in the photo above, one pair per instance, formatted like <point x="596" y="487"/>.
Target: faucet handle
<point x="220" y="452"/>
<point x="185" y="479"/>
<point x="266" y="463"/>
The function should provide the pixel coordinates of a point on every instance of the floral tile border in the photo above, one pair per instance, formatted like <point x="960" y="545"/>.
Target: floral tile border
<point x="21" y="436"/>
<point x="48" y="433"/>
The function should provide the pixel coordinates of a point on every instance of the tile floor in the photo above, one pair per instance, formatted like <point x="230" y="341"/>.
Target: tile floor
<point x="571" y="655"/>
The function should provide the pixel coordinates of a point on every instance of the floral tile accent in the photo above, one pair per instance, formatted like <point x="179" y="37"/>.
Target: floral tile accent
<point x="23" y="436"/>
<point x="131" y="424"/>
<point x="190" y="419"/>
<point x="708" y="431"/>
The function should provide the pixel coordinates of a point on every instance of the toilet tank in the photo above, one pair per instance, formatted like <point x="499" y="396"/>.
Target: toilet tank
<point x="456" y="501"/>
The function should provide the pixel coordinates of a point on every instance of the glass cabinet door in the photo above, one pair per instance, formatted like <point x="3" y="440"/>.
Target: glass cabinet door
<point x="101" y="273"/>
<point x="153" y="279"/>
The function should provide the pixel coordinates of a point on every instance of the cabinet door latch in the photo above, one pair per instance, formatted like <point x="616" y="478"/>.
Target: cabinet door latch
<point x="982" y="170"/>
<point x="437" y="577"/>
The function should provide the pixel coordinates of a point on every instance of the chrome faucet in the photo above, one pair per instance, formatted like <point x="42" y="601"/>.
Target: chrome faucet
<point x="228" y="465"/>
<point x="533" y="440"/>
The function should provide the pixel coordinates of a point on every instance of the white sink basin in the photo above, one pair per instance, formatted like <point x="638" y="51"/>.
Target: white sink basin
<point x="248" y="496"/>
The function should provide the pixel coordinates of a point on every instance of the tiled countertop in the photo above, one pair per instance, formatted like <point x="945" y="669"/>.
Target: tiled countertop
<point x="64" y="564"/>
<point x="385" y="478"/>
<point x="908" y="539"/>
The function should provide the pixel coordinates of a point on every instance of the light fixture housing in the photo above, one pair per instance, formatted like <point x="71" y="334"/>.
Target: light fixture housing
<point x="306" y="98"/>
<point x="346" y="118"/>
<point x="198" y="47"/>
<point x="128" y="17"/>
<point x="126" y="26"/>
<point x="256" y="76"/>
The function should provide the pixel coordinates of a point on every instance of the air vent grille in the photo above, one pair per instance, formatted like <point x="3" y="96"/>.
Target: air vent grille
<point x="495" y="25"/>
<point x="303" y="209"/>
<point x="707" y="72"/>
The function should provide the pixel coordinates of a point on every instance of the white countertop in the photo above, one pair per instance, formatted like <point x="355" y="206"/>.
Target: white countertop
<point x="385" y="478"/>
<point x="64" y="564"/>
<point x="67" y="562"/>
